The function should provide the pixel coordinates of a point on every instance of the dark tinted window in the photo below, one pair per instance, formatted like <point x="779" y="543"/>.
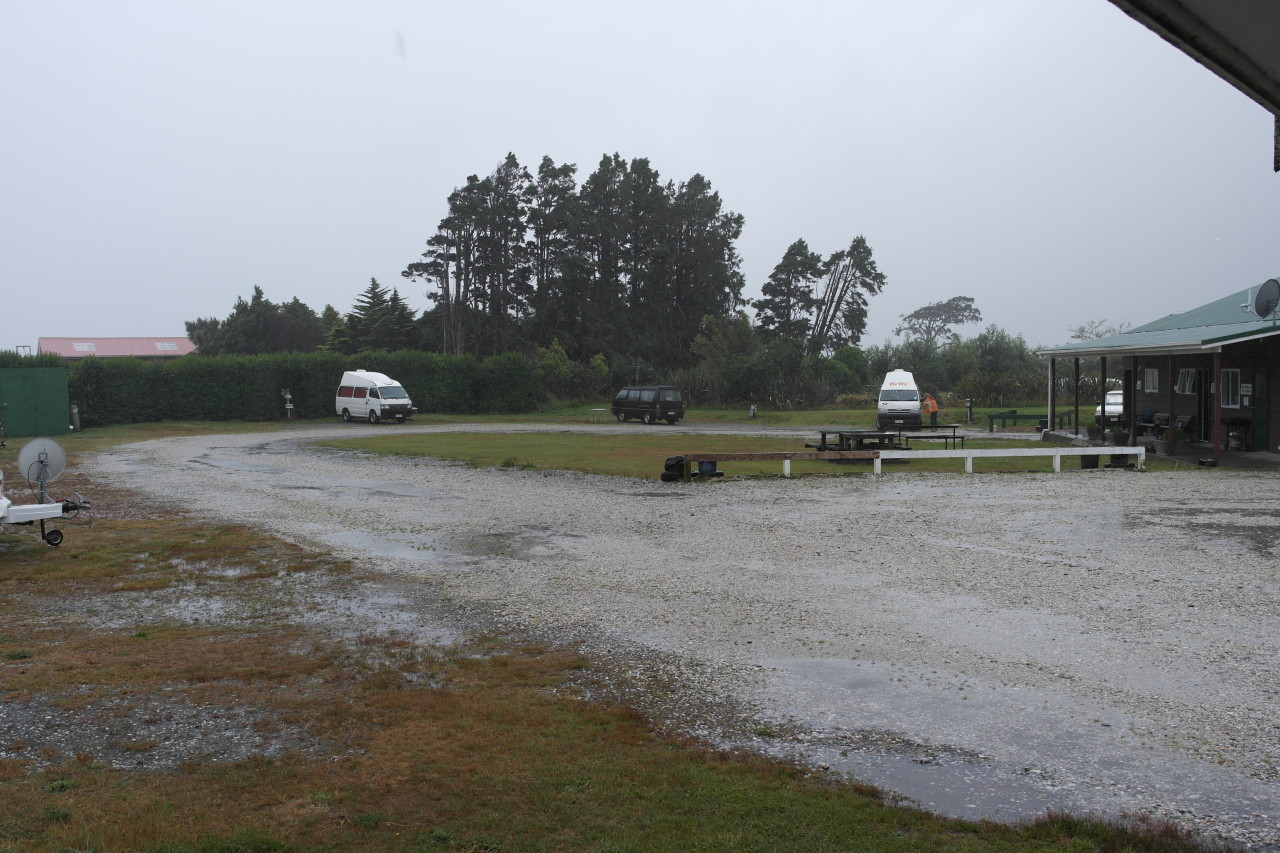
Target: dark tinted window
<point x="671" y="395"/>
<point x="648" y="395"/>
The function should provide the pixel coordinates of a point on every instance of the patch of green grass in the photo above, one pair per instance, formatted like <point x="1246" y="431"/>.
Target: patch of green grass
<point x="642" y="455"/>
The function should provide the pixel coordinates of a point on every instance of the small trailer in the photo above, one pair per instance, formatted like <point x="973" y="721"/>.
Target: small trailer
<point x="41" y="460"/>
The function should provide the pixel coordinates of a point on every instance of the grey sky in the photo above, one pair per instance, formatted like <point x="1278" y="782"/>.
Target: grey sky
<point x="1052" y="159"/>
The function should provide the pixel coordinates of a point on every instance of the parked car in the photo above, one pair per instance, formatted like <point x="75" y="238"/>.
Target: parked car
<point x="648" y="403"/>
<point x="1112" y="409"/>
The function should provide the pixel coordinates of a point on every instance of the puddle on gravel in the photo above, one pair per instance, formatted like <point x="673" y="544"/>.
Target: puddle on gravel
<point x="980" y="750"/>
<point x="530" y="542"/>
<point x="412" y="546"/>
<point x="236" y="465"/>
<point x="381" y="487"/>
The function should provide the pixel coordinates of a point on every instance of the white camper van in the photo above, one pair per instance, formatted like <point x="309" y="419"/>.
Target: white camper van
<point x="373" y="396"/>
<point x="899" y="403"/>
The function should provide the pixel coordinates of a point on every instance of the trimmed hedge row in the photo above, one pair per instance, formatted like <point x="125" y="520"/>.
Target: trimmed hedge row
<point x="251" y="388"/>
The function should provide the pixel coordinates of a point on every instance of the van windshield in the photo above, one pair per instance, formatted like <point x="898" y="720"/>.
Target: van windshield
<point x="393" y="392"/>
<point x="898" y="394"/>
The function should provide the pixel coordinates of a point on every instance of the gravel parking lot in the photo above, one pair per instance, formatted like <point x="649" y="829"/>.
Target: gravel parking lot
<point x="989" y="645"/>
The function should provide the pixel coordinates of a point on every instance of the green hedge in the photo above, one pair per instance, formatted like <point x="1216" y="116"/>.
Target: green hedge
<point x="251" y="388"/>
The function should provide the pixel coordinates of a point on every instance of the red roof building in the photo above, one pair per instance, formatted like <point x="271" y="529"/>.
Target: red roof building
<point x="74" y="348"/>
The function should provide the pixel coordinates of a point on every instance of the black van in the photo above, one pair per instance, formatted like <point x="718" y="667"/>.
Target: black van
<point x="649" y="403"/>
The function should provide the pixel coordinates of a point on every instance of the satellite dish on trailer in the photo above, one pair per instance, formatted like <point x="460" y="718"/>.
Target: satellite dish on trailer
<point x="1267" y="298"/>
<point x="42" y="450"/>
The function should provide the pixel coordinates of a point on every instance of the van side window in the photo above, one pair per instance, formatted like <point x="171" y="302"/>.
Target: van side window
<point x="345" y="391"/>
<point x="648" y="395"/>
<point x="359" y="393"/>
<point x="373" y="392"/>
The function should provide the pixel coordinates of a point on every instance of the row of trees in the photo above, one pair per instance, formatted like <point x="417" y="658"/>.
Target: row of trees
<point x="632" y="278"/>
<point x="624" y="265"/>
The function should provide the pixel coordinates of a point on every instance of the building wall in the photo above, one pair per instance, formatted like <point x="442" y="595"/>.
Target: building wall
<point x="34" y="401"/>
<point x="1256" y="418"/>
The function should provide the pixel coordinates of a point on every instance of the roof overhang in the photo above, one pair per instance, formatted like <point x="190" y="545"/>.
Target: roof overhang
<point x="1235" y="39"/>
<point x="1191" y="346"/>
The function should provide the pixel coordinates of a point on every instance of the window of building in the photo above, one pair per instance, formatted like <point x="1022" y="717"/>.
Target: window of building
<point x="1231" y="389"/>
<point x="1186" y="383"/>
<point x="166" y="345"/>
<point x="86" y="347"/>
<point x="1151" y="380"/>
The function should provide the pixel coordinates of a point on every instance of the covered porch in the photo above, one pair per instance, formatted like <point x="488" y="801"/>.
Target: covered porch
<point x="1206" y="378"/>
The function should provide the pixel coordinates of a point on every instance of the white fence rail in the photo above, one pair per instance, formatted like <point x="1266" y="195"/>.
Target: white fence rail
<point x="969" y="455"/>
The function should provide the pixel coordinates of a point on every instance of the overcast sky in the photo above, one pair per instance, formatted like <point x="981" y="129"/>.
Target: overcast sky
<point x="1054" y="160"/>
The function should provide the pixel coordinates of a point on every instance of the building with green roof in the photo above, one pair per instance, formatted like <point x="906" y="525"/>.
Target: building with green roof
<point x="1213" y="371"/>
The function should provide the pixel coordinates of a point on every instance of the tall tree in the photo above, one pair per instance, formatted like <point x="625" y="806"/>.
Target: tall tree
<point x="786" y="309"/>
<point x="368" y="324"/>
<point x="705" y="265"/>
<point x="552" y="214"/>
<point x="841" y="318"/>
<point x="478" y="261"/>
<point x="933" y="323"/>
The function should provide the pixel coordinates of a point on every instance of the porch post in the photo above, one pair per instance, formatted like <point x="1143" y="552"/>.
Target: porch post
<point x="1102" y="387"/>
<point x="1216" y="404"/>
<point x="1169" y="436"/>
<point x="1076" y="418"/>
<point x="1053" y="389"/>
<point x="1131" y="400"/>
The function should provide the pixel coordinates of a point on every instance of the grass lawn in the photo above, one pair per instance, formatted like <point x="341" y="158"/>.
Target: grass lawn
<point x="642" y="454"/>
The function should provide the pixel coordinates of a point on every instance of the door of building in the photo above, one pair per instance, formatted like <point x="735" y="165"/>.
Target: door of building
<point x="18" y="405"/>
<point x="1261" y="404"/>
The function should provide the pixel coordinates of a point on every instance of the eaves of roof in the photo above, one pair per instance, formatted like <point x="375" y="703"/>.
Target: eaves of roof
<point x="1221" y="322"/>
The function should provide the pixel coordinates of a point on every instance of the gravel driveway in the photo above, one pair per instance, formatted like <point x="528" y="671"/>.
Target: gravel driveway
<point x="989" y="645"/>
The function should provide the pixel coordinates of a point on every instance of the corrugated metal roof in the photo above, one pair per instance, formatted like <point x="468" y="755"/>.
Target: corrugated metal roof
<point x="117" y="347"/>
<point x="1208" y="327"/>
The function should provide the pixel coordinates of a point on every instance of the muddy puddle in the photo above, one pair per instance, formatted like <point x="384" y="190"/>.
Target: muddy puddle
<point x="980" y="750"/>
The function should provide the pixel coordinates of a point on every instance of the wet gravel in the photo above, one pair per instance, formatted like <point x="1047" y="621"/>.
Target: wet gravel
<point x="989" y="645"/>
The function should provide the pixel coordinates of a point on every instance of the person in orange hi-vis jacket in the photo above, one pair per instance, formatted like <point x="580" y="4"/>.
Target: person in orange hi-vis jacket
<point x="930" y="405"/>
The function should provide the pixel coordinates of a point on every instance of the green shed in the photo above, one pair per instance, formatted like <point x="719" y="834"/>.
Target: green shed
<point x="34" y="401"/>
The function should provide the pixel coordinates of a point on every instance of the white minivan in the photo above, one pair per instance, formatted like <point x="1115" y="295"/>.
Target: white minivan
<point x="899" y="403"/>
<point x="371" y="396"/>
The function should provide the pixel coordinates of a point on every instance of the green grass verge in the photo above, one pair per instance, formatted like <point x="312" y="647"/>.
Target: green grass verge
<point x="642" y="455"/>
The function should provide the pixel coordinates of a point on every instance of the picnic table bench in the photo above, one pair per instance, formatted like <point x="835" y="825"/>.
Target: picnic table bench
<point x="948" y="439"/>
<point x="1004" y="418"/>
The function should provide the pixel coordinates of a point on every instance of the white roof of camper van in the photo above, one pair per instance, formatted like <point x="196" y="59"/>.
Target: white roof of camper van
<point x="369" y="376"/>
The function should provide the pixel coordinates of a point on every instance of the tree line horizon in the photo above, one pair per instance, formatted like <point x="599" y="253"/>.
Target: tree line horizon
<point x="627" y="278"/>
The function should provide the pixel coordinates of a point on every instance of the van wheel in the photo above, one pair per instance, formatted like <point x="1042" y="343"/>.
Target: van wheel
<point x="647" y="417"/>
<point x="346" y="415"/>
<point x="672" y="421"/>
<point x="622" y="417"/>
<point x="373" y="417"/>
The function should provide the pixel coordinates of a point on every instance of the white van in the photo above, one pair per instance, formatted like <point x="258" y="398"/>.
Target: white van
<point x="373" y="396"/>
<point x="899" y="403"/>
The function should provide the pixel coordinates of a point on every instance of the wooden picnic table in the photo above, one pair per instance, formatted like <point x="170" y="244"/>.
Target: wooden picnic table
<point x="847" y="438"/>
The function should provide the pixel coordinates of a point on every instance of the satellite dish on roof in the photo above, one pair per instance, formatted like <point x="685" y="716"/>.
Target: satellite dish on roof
<point x="1267" y="298"/>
